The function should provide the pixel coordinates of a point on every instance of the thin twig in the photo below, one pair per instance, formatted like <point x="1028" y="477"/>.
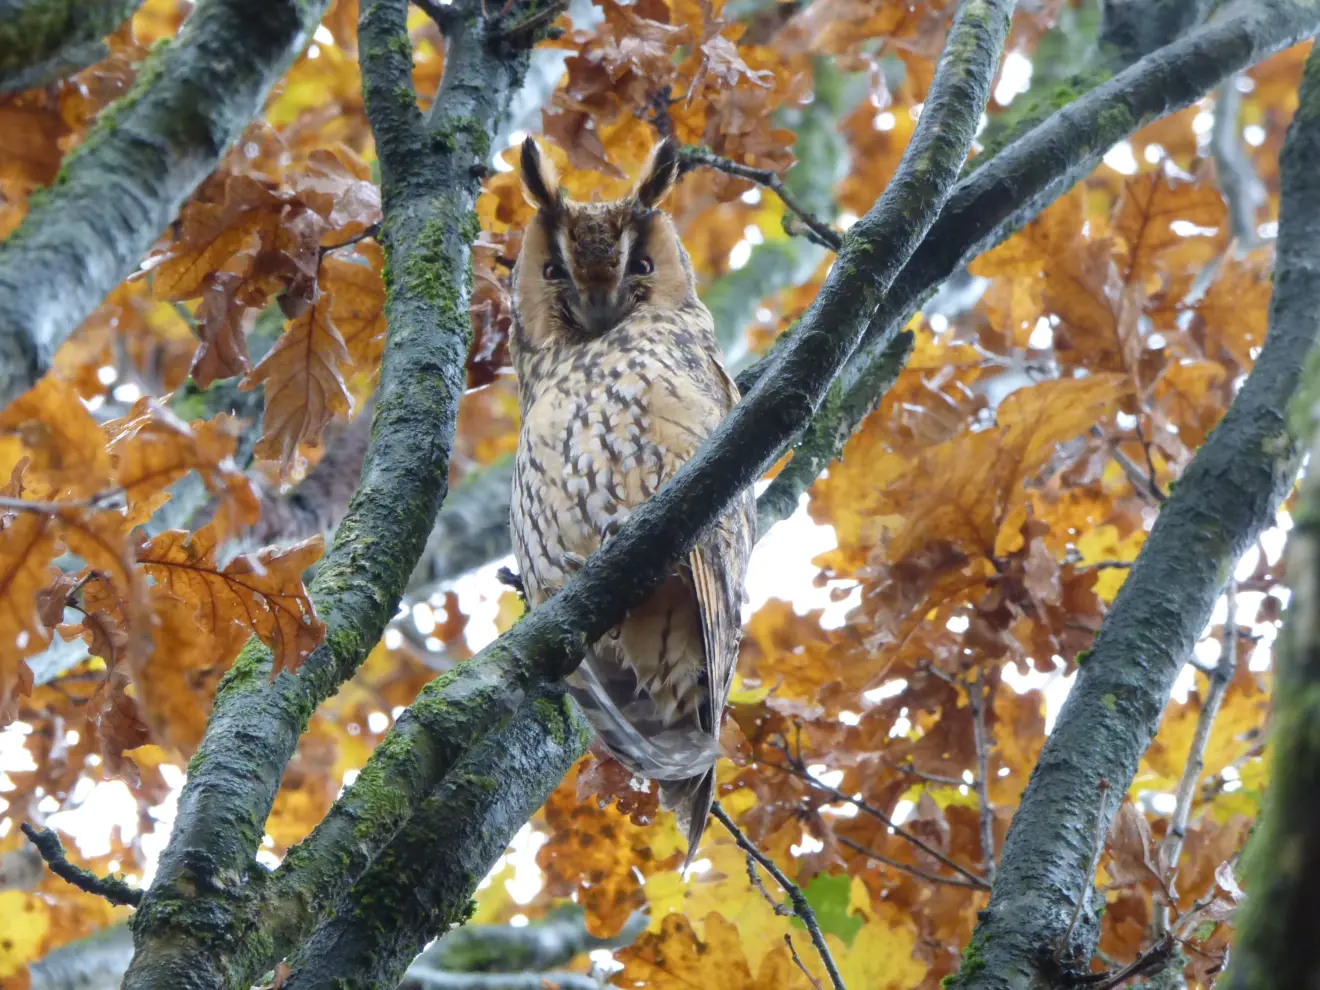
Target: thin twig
<point x="371" y="231"/>
<point x="113" y="889"/>
<point x="795" y="896"/>
<point x="780" y="907"/>
<point x="876" y="813"/>
<point x="1106" y="565"/>
<point x="1220" y="678"/>
<point x="1153" y="960"/>
<point x="819" y="232"/>
<point x="933" y="778"/>
<point x="532" y="22"/>
<point x="1098" y="844"/>
<point x="788" y="941"/>
<point x="1151" y="477"/>
<point x="916" y="871"/>
<point x="977" y="698"/>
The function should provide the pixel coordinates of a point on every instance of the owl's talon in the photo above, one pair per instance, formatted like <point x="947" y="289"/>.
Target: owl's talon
<point x="571" y="562"/>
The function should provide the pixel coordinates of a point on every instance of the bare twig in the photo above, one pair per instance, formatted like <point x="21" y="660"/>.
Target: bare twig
<point x="1152" y="960"/>
<point x="113" y="889"/>
<point x="933" y="778"/>
<point x="1107" y="565"/>
<point x="371" y="231"/>
<point x="755" y="878"/>
<point x="795" y="896"/>
<point x="532" y="22"/>
<point x="817" y="231"/>
<point x="788" y="941"/>
<point x="876" y="813"/>
<point x="977" y="698"/>
<point x="1152" y="478"/>
<point x="1220" y="678"/>
<point x="916" y="871"/>
<point x="1238" y="183"/>
<point x="1098" y="845"/>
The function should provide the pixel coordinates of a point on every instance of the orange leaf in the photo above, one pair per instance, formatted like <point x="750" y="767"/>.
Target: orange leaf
<point x="262" y="591"/>
<point x="27" y="547"/>
<point x="304" y="379"/>
<point x="357" y="304"/>
<point x="152" y="448"/>
<point x="212" y="233"/>
<point x="66" y="444"/>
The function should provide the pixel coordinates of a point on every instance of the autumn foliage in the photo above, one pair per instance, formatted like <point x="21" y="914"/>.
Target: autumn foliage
<point x="983" y="518"/>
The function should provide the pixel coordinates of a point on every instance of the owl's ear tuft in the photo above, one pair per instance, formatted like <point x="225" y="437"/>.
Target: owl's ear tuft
<point x="540" y="183"/>
<point x="660" y="175"/>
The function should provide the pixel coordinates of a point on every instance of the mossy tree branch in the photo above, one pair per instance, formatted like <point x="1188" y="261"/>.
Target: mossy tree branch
<point x="43" y="40"/>
<point x="1228" y="495"/>
<point x="1276" y="943"/>
<point x="195" y="925"/>
<point x="421" y="884"/>
<point x="125" y="183"/>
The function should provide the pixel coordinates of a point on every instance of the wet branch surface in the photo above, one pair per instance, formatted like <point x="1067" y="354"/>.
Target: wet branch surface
<point x="119" y="190"/>
<point x="1276" y="944"/>
<point x="196" y="927"/>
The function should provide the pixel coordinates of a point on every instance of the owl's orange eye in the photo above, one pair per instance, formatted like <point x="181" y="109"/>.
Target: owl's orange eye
<point x="553" y="272"/>
<point x="641" y="266"/>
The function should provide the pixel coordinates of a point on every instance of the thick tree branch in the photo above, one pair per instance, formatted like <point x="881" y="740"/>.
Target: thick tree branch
<point x="1276" y="944"/>
<point x="414" y="891"/>
<point x="124" y="184"/>
<point x="1132" y="28"/>
<point x="204" y="890"/>
<point x="1241" y="188"/>
<point x="553" y="941"/>
<point x="42" y="41"/>
<point x="1227" y="496"/>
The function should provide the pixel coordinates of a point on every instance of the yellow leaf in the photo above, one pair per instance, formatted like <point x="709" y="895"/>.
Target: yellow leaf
<point x="26" y="923"/>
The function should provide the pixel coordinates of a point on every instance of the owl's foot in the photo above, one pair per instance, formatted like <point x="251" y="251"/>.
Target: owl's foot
<point x="571" y="562"/>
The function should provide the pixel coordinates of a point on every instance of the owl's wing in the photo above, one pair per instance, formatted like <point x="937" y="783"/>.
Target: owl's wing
<point x="719" y="564"/>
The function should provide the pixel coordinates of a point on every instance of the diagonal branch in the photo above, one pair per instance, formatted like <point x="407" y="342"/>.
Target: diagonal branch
<point x="200" y="895"/>
<point x="124" y="184"/>
<point x="1276" y="944"/>
<point x="1228" y="495"/>
<point x="795" y="896"/>
<point x="819" y="232"/>
<point x="410" y="894"/>
<point x="41" y="41"/>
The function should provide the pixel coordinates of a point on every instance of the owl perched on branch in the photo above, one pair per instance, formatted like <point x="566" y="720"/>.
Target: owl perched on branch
<point x="620" y="379"/>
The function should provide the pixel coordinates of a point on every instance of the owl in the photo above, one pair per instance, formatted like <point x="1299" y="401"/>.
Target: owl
<point x="620" y="379"/>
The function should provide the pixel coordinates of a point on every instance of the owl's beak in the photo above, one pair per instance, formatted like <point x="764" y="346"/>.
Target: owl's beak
<point x="601" y="310"/>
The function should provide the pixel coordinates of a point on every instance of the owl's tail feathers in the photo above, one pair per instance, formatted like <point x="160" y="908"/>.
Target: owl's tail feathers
<point x="690" y="801"/>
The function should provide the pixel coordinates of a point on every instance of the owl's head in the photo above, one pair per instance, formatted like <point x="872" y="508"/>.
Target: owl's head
<point x="584" y="267"/>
